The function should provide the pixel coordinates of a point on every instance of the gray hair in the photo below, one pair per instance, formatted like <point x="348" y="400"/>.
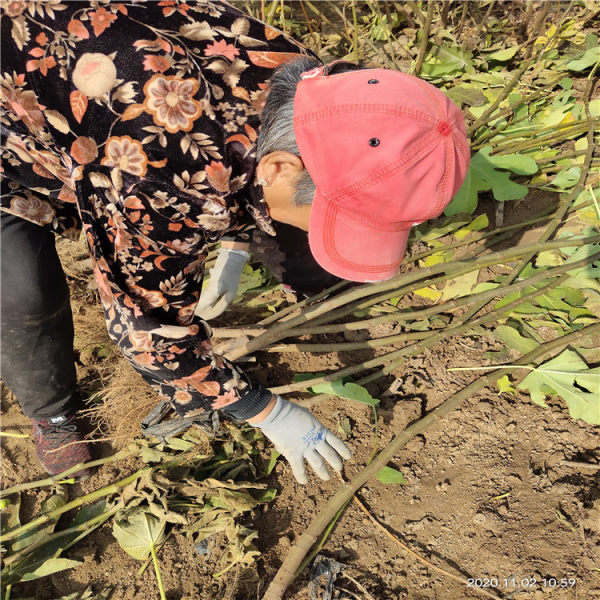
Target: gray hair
<point x="277" y="128"/>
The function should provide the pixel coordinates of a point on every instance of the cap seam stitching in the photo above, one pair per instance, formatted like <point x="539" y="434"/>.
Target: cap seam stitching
<point x="302" y="120"/>
<point x="384" y="171"/>
<point x="343" y="262"/>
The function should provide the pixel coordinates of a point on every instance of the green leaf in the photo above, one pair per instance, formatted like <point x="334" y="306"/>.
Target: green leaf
<point x="441" y="60"/>
<point x="461" y="286"/>
<point x="569" y="376"/>
<point x="586" y="59"/>
<point x="517" y="163"/>
<point x="513" y="339"/>
<point x="272" y="461"/>
<point x="32" y="536"/>
<point x="429" y="292"/>
<point x="553" y="301"/>
<point x="427" y="233"/>
<point x="390" y="475"/>
<point x="250" y="279"/>
<point x="480" y="222"/>
<point x="138" y="532"/>
<point x="348" y="390"/>
<point x="465" y="200"/>
<point x="490" y="173"/>
<point x="566" y="178"/>
<point x="504" y="386"/>
<point x="345" y="426"/>
<point x="86" y="594"/>
<point x="53" y="565"/>
<point x="503" y="55"/>
<point x="466" y="94"/>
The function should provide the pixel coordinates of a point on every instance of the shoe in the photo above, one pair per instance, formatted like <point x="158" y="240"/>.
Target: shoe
<point x="53" y="439"/>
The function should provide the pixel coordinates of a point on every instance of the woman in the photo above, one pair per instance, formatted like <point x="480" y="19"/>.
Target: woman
<point x="139" y="123"/>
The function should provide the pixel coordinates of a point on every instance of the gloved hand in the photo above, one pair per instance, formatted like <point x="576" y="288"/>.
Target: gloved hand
<point x="298" y="435"/>
<point x="223" y="284"/>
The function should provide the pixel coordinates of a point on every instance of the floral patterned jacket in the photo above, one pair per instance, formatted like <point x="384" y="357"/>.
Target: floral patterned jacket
<point x="136" y="121"/>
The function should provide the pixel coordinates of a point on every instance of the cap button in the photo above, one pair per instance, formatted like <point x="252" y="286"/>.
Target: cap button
<point x="444" y="128"/>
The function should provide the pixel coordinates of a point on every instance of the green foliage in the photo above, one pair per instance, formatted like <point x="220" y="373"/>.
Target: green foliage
<point x="491" y="173"/>
<point x="87" y="594"/>
<point x="586" y="59"/>
<point x="513" y="339"/>
<point x="390" y="475"/>
<point x="342" y="388"/>
<point x="49" y="567"/>
<point x="569" y="377"/>
<point x="443" y="60"/>
<point x="504" y="386"/>
<point x="182" y="490"/>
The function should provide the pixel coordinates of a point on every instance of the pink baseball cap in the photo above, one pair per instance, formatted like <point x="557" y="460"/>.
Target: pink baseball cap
<point x="386" y="151"/>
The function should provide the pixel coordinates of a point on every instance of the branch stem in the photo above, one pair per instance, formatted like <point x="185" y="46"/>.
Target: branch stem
<point x="394" y="359"/>
<point x="280" y="330"/>
<point x="92" y="497"/>
<point x="21" y="487"/>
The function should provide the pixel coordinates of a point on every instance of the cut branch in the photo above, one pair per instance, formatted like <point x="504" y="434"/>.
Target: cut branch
<point x="281" y="330"/>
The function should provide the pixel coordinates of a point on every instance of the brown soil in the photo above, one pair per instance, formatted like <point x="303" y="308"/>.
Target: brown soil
<point x="487" y="495"/>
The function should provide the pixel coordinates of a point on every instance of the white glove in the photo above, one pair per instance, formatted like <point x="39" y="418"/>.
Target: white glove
<point x="223" y="284"/>
<point x="298" y="435"/>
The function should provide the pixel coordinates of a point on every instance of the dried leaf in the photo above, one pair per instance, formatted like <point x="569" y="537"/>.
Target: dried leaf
<point x="138" y="531"/>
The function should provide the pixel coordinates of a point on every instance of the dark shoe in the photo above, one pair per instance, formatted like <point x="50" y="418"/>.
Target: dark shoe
<point x="53" y="439"/>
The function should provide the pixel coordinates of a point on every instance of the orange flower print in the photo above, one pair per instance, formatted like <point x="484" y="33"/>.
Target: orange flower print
<point x="14" y="8"/>
<point x="46" y="164"/>
<point x="222" y="48"/>
<point x="24" y="104"/>
<point x="145" y="359"/>
<point x="126" y="154"/>
<point x="186" y="314"/>
<point x="158" y="64"/>
<point x="140" y="340"/>
<point x="182" y="397"/>
<point x="224" y="400"/>
<point x="84" y="150"/>
<point x="171" y="6"/>
<point x="170" y="102"/>
<point x="101" y="19"/>
<point x="32" y="209"/>
<point x="66" y="194"/>
<point x="197" y="381"/>
<point x="43" y="64"/>
<point x="42" y="39"/>
<point x="148" y="298"/>
<point x="218" y="176"/>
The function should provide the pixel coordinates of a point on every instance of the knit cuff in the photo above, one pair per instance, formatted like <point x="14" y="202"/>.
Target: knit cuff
<point x="250" y="405"/>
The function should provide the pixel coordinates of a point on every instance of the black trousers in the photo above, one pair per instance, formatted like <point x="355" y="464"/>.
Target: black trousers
<point x="36" y="349"/>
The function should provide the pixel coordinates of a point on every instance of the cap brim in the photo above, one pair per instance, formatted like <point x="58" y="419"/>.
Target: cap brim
<point x="352" y="249"/>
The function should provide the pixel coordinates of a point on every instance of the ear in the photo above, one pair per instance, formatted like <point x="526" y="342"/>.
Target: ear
<point x="279" y="167"/>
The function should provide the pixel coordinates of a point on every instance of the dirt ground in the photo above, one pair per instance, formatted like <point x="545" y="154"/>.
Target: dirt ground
<point x="486" y="496"/>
